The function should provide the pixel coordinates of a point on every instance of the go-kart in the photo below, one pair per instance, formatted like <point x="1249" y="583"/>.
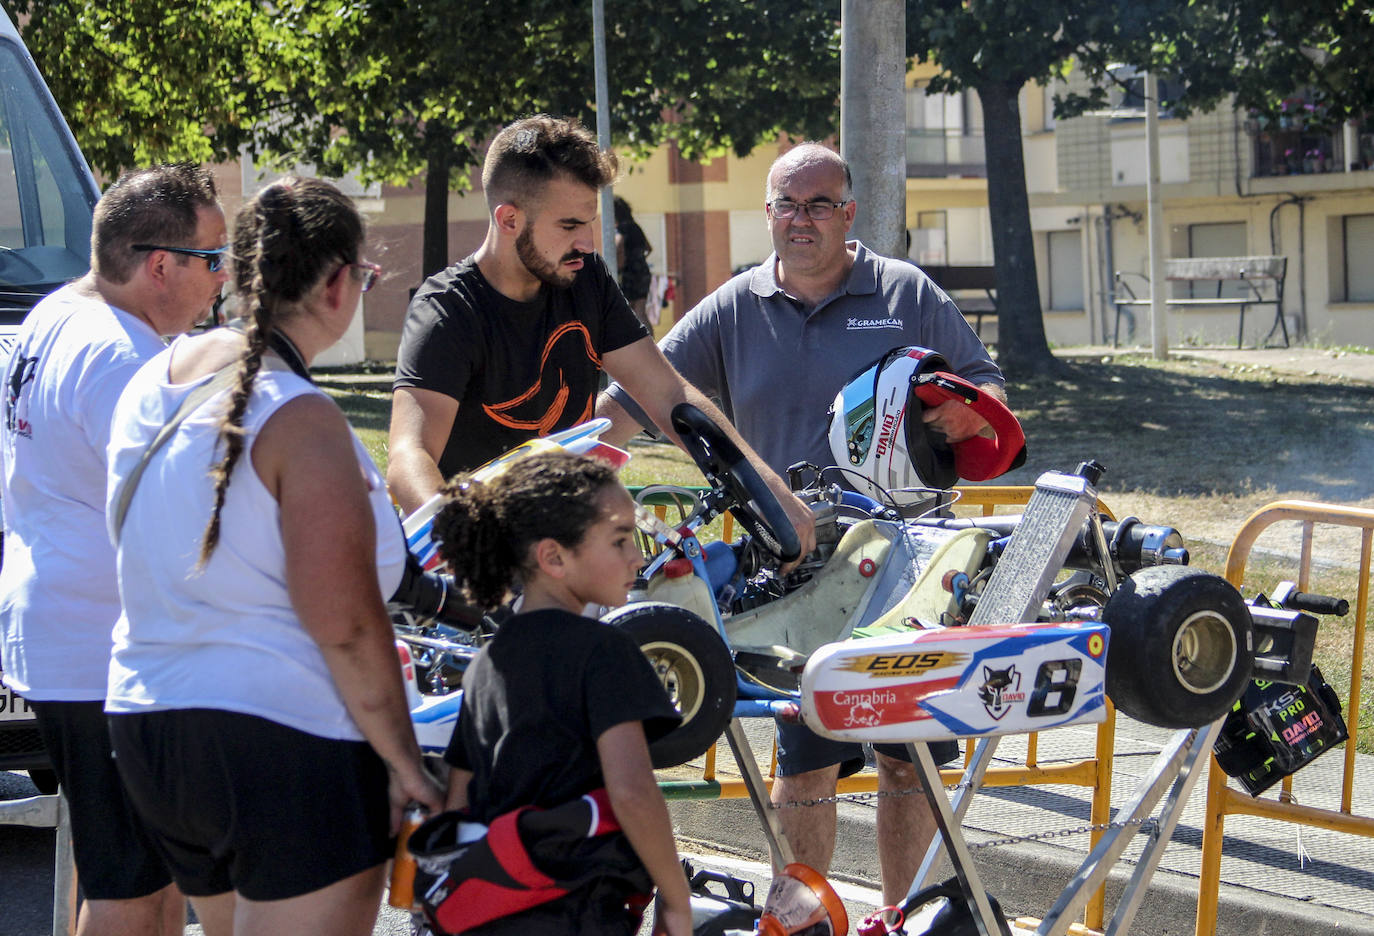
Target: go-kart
<point x="883" y="582"/>
<point x="728" y="633"/>
<point x="909" y="626"/>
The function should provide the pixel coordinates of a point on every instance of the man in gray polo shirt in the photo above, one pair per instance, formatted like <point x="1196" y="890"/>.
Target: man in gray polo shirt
<point x="773" y="346"/>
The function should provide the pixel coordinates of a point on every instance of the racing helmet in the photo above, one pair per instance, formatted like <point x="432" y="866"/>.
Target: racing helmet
<point x="876" y="430"/>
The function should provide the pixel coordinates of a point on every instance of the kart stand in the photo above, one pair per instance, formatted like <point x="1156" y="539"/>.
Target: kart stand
<point x="1056" y="511"/>
<point x="1174" y="772"/>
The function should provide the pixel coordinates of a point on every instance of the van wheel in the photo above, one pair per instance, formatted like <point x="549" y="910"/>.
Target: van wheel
<point x="45" y="780"/>
<point x="696" y="670"/>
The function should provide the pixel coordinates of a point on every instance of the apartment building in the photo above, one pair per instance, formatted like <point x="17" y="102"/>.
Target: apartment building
<point x="1231" y="187"/>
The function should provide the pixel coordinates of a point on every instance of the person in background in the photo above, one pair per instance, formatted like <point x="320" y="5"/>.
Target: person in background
<point x="821" y="307"/>
<point x="558" y="705"/>
<point x="255" y="698"/>
<point x="157" y="265"/>
<point x="509" y="343"/>
<point x="632" y="251"/>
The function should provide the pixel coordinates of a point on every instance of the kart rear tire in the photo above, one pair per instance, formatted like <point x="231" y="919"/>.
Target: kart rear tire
<point x="1181" y="649"/>
<point x="697" y="670"/>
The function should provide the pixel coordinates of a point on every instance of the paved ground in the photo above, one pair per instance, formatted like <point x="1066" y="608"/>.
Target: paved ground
<point x="1277" y="879"/>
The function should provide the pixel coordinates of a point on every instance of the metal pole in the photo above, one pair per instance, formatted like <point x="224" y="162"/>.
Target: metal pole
<point x="873" y="119"/>
<point x="1159" y="320"/>
<point x="603" y="130"/>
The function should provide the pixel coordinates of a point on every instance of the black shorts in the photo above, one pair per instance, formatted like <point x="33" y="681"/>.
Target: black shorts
<point x="237" y="802"/>
<point x="116" y="858"/>
<point x="801" y="750"/>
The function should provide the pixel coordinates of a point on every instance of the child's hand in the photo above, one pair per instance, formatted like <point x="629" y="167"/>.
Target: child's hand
<point x="670" y="920"/>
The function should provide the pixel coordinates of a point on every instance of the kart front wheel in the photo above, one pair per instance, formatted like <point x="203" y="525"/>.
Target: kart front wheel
<point x="697" y="673"/>
<point x="1181" y="649"/>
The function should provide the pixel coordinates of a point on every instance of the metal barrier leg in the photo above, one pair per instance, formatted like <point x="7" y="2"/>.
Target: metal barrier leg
<point x="778" y="846"/>
<point x="1175" y="761"/>
<point x="64" y="874"/>
<point x="50" y="812"/>
<point x="968" y="785"/>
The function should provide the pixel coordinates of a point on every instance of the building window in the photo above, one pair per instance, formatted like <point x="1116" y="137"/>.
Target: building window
<point x="944" y="134"/>
<point x="1066" y="270"/>
<point x="1220" y="239"/>
<point x="1127" y="96"/>
<point x="1300" y="140"/>
<point x="1358" y="240"/>
<point x="930" y="239"/>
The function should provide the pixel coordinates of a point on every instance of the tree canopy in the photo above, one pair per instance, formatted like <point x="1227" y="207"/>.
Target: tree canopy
<point x="1257" y="50"/>
<point x="390" y="89"/>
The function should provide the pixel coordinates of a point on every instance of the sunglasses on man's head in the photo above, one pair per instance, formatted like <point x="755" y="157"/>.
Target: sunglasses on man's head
<point x="214" y="259"/>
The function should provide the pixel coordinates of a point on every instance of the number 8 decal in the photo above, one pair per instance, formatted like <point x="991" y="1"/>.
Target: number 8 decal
<point x="1056" y="683"/>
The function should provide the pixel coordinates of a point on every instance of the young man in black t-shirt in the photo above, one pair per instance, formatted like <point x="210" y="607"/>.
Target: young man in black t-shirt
<point x="509" y="343"/>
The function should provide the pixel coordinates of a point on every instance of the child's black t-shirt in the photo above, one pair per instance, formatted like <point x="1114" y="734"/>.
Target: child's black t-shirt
<point x="536" y="699"/>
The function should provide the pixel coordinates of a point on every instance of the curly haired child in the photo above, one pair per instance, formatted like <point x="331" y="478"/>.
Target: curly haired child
<point x="558" y="705"/>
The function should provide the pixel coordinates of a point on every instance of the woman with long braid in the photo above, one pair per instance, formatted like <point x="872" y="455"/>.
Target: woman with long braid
<point x="255" y="699"/>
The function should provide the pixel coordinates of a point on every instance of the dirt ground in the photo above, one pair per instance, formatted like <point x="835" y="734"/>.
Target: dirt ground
<point x="1200" y="445"/>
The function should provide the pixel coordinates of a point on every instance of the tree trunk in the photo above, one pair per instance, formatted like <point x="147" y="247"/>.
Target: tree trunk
<point x="1021" y="346"/>
<point x="434" y="253"/>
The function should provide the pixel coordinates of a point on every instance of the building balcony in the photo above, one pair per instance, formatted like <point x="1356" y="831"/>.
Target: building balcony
<point x="944" y="153"/>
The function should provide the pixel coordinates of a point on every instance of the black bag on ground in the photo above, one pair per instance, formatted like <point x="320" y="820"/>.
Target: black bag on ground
<point x="942" y="910"/>
<point x="714" y="914"/>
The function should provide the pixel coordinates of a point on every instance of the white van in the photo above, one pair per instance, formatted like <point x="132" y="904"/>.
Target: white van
<point x="47" y="195"/>
<point x="47" y="192"/>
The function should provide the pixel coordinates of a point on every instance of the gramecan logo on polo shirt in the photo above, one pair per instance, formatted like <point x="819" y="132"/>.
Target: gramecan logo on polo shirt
<point x="861" y="323"/>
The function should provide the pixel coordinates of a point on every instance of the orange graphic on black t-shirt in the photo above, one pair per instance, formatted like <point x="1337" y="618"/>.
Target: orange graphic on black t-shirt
<point x="544" y="423"/>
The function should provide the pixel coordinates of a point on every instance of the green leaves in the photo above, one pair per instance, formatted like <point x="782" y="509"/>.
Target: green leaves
<point x="359" y="84"/>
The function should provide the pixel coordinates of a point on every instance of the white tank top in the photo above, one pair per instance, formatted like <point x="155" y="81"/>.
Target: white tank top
<point x="226" y="637"/>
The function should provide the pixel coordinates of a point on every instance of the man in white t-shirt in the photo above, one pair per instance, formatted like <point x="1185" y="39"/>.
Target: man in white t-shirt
<point x="159" y="257"/>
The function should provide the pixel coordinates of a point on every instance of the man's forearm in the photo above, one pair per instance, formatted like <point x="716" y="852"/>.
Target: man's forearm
<point x="624" y="427"/>
<point x="412" y="478"/>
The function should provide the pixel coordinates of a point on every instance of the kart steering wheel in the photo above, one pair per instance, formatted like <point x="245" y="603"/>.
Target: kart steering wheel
<point x="728" y="471"/>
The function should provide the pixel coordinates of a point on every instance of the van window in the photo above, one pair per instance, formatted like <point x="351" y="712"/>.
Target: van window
<point x="46" y="196"/>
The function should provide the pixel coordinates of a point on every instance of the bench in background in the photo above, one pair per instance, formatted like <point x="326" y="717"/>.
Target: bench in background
<point x="1262" y="277"/>
<point x="971" y="278"/>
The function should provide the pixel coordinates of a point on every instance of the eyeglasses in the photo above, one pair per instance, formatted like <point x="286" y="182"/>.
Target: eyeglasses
<point x="365" y="273"/>
<point x="821" y="210"/>
<point x="214" y="259"/>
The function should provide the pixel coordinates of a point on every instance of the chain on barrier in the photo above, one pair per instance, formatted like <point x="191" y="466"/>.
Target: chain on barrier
<point x="1147" y="824"/>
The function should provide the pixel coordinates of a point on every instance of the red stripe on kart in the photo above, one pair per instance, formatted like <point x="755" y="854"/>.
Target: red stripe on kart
<point x="871" y="707"/>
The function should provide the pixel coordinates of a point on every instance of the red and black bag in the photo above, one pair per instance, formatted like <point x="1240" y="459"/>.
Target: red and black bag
<point x="468" y="874"/>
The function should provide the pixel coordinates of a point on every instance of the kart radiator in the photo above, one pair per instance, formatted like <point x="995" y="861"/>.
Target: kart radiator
<point x="1022" y="577"/>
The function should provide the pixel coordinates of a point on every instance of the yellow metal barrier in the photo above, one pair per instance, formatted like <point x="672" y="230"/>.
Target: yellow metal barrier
<point x="1221" y="799"/>
<point x="1094" y="772"/>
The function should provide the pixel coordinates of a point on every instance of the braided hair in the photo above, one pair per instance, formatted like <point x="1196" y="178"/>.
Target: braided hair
<point x="487" y="529"/>
<point x="286" y="239"/>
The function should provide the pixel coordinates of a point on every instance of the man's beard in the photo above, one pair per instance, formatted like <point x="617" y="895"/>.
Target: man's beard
<point x="540" y="268"/>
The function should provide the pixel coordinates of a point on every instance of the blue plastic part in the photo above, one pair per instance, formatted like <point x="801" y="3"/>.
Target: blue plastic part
<point x="861" y="502"/>
<point x="721" y="565"/>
